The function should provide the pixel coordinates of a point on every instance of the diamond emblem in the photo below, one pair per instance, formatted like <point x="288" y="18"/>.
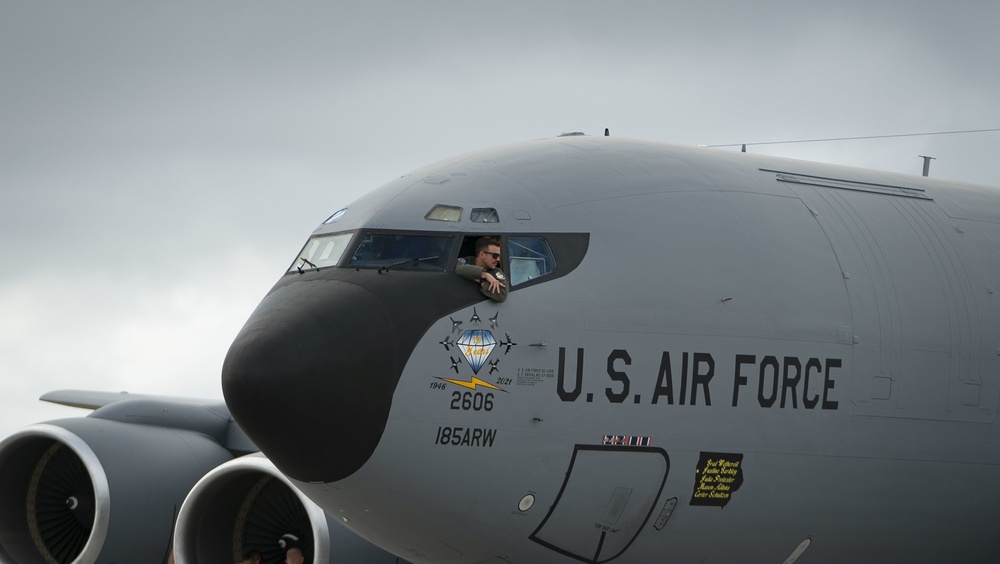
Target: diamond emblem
<point x="476" y="345"/>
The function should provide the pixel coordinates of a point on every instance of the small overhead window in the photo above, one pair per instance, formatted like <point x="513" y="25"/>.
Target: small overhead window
<point x="530" y="258"/>
<point x="336" y="215"/>
<point x="321" y="251"/>
<point x="442" y="212"/>
<point x="484" y="215"/>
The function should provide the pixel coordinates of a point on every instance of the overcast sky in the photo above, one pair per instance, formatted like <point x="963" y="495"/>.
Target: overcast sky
<point x="161" y="163"/>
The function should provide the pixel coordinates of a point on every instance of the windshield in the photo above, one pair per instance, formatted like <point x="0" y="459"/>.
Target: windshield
<point x="320" y="251"/>
<point x="403" y="251"/>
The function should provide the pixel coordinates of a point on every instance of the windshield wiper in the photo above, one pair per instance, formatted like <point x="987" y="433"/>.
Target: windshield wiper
<point x="305" y="260"/>
<point x="407" y="261"/>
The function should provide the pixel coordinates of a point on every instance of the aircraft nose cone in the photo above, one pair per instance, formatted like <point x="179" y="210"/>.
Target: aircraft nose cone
<point x="310" y="378"/>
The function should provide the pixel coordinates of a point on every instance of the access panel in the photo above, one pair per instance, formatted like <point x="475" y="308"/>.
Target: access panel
<point x="607" y="497"/>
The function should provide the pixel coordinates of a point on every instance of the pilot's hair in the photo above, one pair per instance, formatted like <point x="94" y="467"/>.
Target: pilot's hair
<point x="251" y="553"/>
<point x="483" y="242"/>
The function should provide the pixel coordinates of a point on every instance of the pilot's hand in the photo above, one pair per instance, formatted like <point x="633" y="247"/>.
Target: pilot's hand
<point x="495" y="284"/>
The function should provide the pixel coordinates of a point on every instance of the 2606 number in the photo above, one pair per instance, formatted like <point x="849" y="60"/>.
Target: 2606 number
<point x="475" y="401"/>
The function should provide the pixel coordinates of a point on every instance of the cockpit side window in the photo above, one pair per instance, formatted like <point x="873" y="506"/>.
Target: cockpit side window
<point x="406" y="251"/>
<point x="321" y="251"/>
<point x="468" y="248"/>
<point x="529" y="258"/>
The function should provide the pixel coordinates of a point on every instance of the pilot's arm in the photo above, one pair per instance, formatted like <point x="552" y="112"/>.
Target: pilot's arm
<point x="485" y="280"/>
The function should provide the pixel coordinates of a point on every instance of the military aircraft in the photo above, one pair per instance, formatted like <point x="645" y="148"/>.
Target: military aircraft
<point x="704" y="356"/>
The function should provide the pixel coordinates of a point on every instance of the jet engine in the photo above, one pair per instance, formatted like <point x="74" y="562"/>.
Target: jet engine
<point x="248" y="504"/>
<point x="101" y="490"/>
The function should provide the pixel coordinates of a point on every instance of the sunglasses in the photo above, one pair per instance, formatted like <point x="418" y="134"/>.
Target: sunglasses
<point x="496" y="256"/>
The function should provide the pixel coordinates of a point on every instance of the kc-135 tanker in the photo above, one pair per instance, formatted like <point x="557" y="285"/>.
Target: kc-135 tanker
<point x="703" y="356"/>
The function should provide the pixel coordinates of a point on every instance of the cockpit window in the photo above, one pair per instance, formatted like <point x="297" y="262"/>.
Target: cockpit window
<point x="530" y="257"/>
<point x="484" y="215"/>
<point x="403" y="251"/>
<point x="335" y="217"/>
<point x="321" y="251"/>
<point x="442" y="212"/>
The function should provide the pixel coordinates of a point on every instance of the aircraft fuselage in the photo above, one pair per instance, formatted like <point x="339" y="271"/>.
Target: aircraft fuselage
<point x="704" y="357"/>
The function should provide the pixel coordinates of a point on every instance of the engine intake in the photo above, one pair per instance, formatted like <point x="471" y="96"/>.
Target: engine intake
<point x="95" y="490"/>
<point x="248" y="504"/>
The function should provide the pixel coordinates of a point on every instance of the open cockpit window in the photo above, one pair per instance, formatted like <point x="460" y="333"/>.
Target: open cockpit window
<point x="321" y="251"/>
<point x="529" y="257"/>
<point x="402" y="251"/>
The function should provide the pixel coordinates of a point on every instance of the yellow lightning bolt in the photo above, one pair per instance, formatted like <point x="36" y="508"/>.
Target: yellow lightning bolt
<point x="472" y="384"/>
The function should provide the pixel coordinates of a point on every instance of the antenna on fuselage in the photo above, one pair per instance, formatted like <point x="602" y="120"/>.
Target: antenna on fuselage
<point x="927" y="163"/>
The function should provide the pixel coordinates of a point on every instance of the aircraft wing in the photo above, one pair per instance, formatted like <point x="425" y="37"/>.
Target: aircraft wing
<point x="94" y="399"/>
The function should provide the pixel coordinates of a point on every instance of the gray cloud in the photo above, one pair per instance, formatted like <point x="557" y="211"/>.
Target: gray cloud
<point x="160" y="164"/>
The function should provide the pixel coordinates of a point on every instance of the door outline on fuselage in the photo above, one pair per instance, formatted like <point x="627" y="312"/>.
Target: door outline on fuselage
<point x="566" y="526"/>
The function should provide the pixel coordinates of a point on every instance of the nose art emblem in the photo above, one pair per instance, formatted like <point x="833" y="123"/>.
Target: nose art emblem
<point x="476" y="345"/>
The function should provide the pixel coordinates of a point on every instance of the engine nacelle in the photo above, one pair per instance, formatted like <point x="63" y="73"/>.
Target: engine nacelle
<point x="248" y="504"/>
<point x="93" y="490"/>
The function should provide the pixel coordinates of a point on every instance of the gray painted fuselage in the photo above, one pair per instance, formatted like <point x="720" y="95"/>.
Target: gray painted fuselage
<point x="752" y="353"/>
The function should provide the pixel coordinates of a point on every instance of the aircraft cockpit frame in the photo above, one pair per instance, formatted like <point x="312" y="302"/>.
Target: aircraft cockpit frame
<point x="528" y="257"/>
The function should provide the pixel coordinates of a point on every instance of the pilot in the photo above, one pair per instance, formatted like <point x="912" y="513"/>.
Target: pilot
<point x="252" y="557"/>
<point x="294" y="556"/>
<point x="483" y="269"/>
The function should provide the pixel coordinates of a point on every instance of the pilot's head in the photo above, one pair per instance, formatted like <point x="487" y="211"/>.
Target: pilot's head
<point x="294" y="556"/>
<point x="487" y="252"/>
<point x="252" y="557"/>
